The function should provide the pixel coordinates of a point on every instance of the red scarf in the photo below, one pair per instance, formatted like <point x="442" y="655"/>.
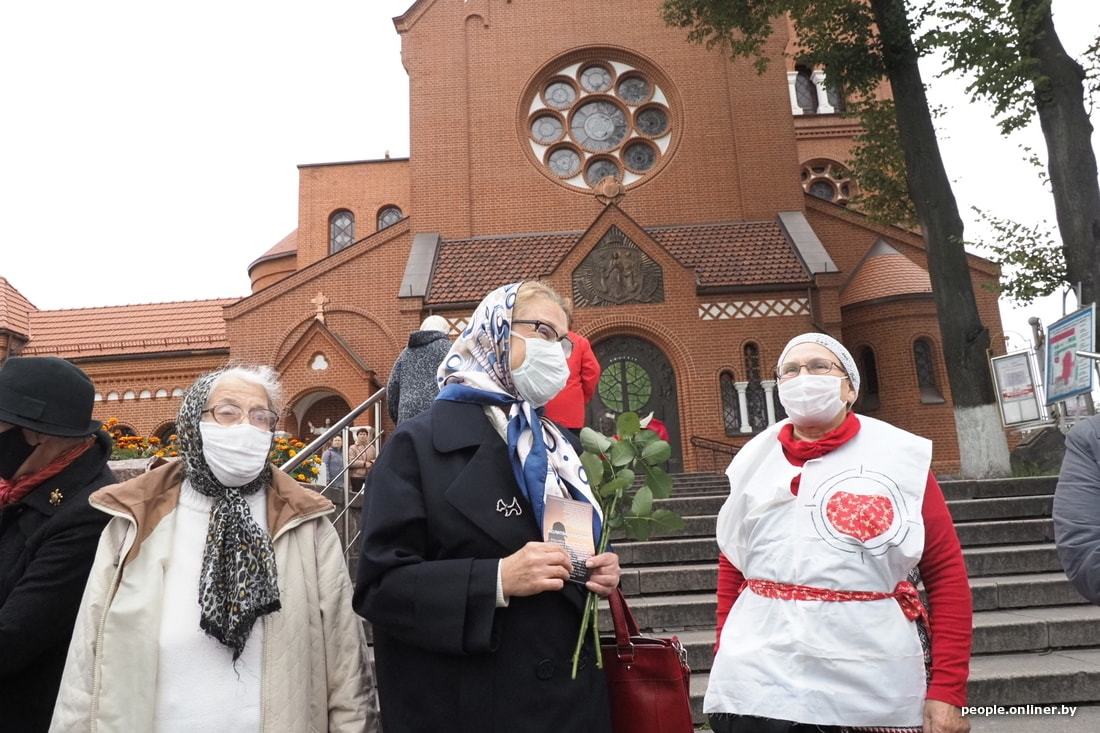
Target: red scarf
<point x="15" y="489"/>
<point x="799" y="451"/>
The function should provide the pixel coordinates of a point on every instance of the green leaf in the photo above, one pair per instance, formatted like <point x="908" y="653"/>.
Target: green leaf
<point x="622" y="453"/>
<point x="644" y="437"/>
<point x="638" y="528"/>
<point x="666" y="521"/>
<point x="626" y="475"/>
<point x="594" y="442"/>
<point x="628" y="424"/>
<point x="642" y="506"/>
<point x="612" y="487"/>
<point x="593" y="467"/>
<point x="659" y="482"/>
<point x="657" y="453"/>
<point x="616" y="522"/>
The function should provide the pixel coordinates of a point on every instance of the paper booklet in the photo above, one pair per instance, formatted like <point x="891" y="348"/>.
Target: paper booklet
<point x="569" y="523"/>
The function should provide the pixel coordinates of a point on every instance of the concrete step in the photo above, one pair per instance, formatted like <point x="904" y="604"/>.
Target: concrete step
<point x="1023" y="591"/>
<point x="1064" y="676"/>
<point x="1005" y="532"/>
<point x="1013" y="507"/>
<point x="671" y="556"/>
<point x="997" y="487"/>
<point x="1011" y="560"/>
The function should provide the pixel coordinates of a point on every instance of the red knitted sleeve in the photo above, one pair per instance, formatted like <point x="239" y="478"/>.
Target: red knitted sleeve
<point x="944" y="574"/>
<point x="730" y="581"/>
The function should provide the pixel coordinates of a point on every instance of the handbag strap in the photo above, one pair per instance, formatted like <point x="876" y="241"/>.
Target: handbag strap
<point x="622" y="618"/>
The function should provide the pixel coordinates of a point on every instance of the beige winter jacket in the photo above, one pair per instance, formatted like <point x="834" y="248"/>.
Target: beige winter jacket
<point x="314" y="673"/>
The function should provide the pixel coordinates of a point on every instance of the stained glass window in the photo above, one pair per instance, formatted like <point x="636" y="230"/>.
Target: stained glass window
<point x="926" y="372"/>
<point x="560" y="94"/>
<point x="341" y="230"/>
<point x="546" y="129"/>
<point x="564" y="161"/>
<point x="731" y="405"/>
<point x="805" y="91"/>
<point x="599" y="126"/>
<point x="388" y="216"/>
<point x="754" y="393"/>
<point x="596" y="78"/>
<point x="600" y="169"/>
<point x="639" y="156"/>
<point x="634" y="89"/>
<point x="652" y="121"/>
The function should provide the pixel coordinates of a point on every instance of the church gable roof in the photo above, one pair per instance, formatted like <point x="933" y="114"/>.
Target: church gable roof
<point x="729" y="254"/>
<point x="193" y="325"/>
<point x="15" y="310"/>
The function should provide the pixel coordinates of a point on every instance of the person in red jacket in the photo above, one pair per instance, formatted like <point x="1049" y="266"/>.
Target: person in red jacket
<point x="567" y="409"/>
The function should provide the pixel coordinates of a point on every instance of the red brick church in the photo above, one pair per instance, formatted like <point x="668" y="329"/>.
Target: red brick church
<point x="694" y="210"/>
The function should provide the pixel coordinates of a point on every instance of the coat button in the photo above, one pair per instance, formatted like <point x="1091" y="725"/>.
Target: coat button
<point x="544" y="670"/>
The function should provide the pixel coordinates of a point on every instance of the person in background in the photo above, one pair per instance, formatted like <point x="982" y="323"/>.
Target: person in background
<point x="474" y="623"/>
<point x="831" y="521"/>
<point x="412" y="387"/>
<point x="52" y="456"/>
<point x="333" y="458"/>
<point x="1077" y="509"/>
<point x="361" y="456"/>
<point x="219" y="599"/>
<point x="568" y="408"/>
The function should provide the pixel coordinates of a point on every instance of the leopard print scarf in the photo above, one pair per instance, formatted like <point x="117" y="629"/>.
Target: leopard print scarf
<point x="238" y="583"/>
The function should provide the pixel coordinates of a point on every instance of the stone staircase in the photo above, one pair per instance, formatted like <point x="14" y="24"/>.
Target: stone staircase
<point x="1035" y="639"/>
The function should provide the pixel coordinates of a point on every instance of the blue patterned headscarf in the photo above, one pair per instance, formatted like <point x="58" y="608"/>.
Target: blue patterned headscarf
<point x="477" y="370"/>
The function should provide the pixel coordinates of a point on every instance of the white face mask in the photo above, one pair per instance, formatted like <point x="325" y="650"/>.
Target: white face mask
<point x="543" y="373"/>
<point x="236" y="454"/>
<point x="812" y="400"/>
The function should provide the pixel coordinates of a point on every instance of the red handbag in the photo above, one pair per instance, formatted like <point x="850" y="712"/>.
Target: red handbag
<point x="648" y="679"/>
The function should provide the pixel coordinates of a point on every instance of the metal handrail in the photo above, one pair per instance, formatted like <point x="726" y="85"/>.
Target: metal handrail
<point x="375" y="401"/>
<point x="714" y="447"/>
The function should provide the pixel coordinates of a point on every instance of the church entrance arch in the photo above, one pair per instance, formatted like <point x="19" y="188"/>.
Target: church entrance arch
<point x="315" y="411"/>
<point x="637" y="377"/>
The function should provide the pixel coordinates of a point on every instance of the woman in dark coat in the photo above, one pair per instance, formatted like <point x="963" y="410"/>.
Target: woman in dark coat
<point x="52" y="456"/>
<point x="474" y="622"/>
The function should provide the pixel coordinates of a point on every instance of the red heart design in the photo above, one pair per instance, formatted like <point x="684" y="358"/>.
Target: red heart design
<point x="861" y="516"/>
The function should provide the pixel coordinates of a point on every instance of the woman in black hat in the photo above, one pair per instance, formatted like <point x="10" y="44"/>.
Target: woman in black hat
<point x="52" y="456"/>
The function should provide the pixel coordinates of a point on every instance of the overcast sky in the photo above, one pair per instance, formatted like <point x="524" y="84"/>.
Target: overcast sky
<point x="149" y="150"/>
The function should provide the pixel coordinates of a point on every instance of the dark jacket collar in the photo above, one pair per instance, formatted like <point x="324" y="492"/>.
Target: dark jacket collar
<point x="423" y="338"/>
<point x="458" y="425"/>
<point x="69" y="483"/>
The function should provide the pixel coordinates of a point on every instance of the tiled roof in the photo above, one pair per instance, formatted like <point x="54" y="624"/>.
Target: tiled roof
<point x="15" y="310"/>
<point x="885" y="273"/>
<point x="728" y="254"/>
<point x="743" y="253"/>
<point x="466" y="269"/>
<point x="286" y="245"/>
<point x="129" y="329"/>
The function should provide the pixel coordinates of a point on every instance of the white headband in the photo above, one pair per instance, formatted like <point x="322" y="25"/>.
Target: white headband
<point x="832" y="345"/>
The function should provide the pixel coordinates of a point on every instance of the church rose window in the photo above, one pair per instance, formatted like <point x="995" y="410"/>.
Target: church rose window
<point x="596" y="113"/>
<point x="828" y="180"/>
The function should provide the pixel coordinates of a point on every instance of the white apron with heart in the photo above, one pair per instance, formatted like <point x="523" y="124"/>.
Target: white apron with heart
<point x="855" y="525"/>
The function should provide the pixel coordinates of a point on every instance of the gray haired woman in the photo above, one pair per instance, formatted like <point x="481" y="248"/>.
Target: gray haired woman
<point x="178" y="629"/>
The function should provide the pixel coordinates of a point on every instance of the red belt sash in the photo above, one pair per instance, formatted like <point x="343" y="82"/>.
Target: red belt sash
<point x="904" y="592"/>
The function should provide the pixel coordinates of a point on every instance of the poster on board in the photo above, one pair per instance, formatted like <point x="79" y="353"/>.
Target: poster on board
<point x="1067" y="375"/>
<point x="1017" y="389"/>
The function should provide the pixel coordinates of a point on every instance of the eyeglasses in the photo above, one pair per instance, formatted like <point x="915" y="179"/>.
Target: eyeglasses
<point x="792" y="369"/>
<point x="226" y="413"/>
<point x="546" y="332"/>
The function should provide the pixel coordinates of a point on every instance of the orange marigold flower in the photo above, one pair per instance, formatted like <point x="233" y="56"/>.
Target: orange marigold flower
<point x="159" y="454"/>
<point x="292" y="453"/>
<point x="300" y="476"/>
<point x="314" y="470"/>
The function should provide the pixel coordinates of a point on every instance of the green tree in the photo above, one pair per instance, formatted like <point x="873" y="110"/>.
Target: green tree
<point x="861" y="42"/>
<point x="1012" y="52"/>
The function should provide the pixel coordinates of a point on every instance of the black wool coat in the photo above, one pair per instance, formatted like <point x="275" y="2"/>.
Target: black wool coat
<point x="46" y="551"/>
<point x="447" y="658"/>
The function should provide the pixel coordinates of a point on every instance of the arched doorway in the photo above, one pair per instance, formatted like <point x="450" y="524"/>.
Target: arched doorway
<point x="637" y="377"/>
<point x="316" y="411"/>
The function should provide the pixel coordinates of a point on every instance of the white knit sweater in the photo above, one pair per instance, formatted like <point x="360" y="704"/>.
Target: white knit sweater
<point x="198" y="686"/>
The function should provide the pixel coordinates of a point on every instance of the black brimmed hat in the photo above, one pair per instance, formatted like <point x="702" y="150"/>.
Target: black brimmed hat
<point x="48" y="395"/>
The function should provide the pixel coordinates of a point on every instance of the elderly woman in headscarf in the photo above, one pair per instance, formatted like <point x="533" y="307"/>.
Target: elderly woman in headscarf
<point x="219" y="599"/>
<point x="831" y="521"/>
<point x="474" y="621"/>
